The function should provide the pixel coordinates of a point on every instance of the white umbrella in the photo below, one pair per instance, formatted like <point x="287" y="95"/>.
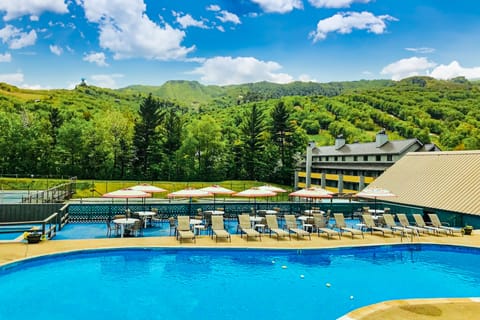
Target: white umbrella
<point x="216" y="189"/>
<point x="126" y="194"/>
<point x="189" y="193"/>
<point x="312" y="193"/>
<point x="272" y="188"/>
<point x="255" y="193"/>
<point x="145" y="187"/>
<point x="375" y="192"/>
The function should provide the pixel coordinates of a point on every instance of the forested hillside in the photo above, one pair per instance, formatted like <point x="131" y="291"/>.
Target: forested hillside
<point x="186" y="131"/>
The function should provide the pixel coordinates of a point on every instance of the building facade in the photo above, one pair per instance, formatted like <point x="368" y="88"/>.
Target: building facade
<point x="348" y="168"/>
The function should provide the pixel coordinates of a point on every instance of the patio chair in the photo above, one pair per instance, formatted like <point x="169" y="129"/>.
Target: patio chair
<point x="342" y="226"/>
<point x="218" y="228"/>
<point x="272" y="225"/>
<point x="435" y="220"/>
<point x="245" y="226"/>
<point x="112" y="229"/>
<point x="321" y="226"/>
<point x="183" y="229"/>
<point x="403" y="220"/>
<point x="390" y="222"/>
<point x="370" y="225"/>
<point x="137" y="228"/>
<point x="292" y="226"/>
<point x="173" y="226"/>
<point x="421" y="223"/>
<point x="157" y="219"/>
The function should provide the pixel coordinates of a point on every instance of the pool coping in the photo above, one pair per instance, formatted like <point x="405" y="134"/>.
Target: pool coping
<point x="49" y="247"/>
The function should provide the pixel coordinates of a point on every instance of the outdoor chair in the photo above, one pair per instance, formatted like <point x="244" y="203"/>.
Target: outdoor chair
<point x="292" y="226"/>
<point x="403" y="220"/>
<point x="137" y="228"/>
<point x="435" y="220"/>
<point x="172" y="225"/>
<point x="183" y="229"/>
<point x="272" y="225"/>
<point x="321" y="226"/>
<point x="218" y="229"/>
<point x="390" y="223"/>
<point x="342" y="226"/>
<point x="245" y="226"/>
<point x="157" y="219"/>
<point x="112" y="229"/>
<point x="421" y="223"/>
<point x="370" y="225"/>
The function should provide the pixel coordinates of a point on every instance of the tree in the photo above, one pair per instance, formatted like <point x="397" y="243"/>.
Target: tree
<point x="253" y="128"/>
<point x="145" y="134"/>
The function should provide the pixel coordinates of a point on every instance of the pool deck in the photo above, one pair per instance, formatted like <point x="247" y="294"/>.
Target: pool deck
<point x="461" y="308"/>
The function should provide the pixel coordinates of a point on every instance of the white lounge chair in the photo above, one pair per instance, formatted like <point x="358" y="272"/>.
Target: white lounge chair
<point x="292" y="226"/>
<point x="272" y="225"/>
<point x="342" y="226"/>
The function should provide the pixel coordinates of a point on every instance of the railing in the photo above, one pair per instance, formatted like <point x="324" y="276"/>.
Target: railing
<point x="56" y="194"/>
<point x="48" y="226"/>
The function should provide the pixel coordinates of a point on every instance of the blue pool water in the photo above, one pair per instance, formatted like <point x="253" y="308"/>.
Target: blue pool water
<point x="232" y="284"/>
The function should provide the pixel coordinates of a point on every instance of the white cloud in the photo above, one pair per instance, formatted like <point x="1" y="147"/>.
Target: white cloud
<point x="16" y="38"/>
<point x="279" y="6"/>
<point x="454" y="69"/>
<point x="97" y="58"/>
<point x="408" y="67"/>
<point x="213" y="7"/>
<point x="228" y="70"/>
<point x="188" y="21"/>
<point x="306" y="78"/>
<point x="226" y="16"/>
<point x="345" y="22"/>
<point x="422" y="50"/>
<point x="7" y="57"/>
<point x="56" y="50"/>
<point x="15" y="79"/>
<point x="106" y="80"/>
<point x="334" y="3"/>
<point x="126" y="30"/>
<point x="34" y="8"/>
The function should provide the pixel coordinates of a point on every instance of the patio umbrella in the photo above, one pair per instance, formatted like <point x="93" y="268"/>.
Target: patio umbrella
<point x="145" y="187"/>
<point x="126" y="194"/>
<point x="189" y="193"/>
<point x="216" y="189"/>
<point x="312" y="193"/>
<point x="272" y="188"/>
<point x="255" y="193"/>
<point x="375" y="192"/>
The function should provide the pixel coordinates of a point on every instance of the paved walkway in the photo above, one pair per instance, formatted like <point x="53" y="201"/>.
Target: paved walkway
<point x="400" y="309"/>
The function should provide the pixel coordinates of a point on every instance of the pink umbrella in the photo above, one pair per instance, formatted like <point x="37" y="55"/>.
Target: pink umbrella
<point x="189" y="193"/>
<point x="145" y="187"/>
<point x="272" y="188"/>
<point x="375" y="192"/>
<point x="312" y="193"/>
<point x="126" y="194"/>
<point x="255" y="193"/>
<point x="216" y="189"/>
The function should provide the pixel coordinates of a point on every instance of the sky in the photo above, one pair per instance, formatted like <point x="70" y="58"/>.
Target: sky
<point x="50" y="44"/>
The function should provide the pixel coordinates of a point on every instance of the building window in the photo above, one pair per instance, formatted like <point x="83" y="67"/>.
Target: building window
<point x="365" y="158"/>
<point x="389" y="157"/>
<point x="335" y="158"/>
<point x="378" y="158"/>
<point x="326" y="158"/>
<point x="355" y="158"/>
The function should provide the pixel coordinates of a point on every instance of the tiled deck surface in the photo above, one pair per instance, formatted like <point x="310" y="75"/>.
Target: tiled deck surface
<point x="399" y="309"/>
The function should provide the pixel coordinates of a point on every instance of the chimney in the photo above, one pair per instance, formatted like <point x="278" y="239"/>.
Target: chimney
<point x="381" y="138"/>
<point x="339" y="142"/>
<point x="308" y="164"/>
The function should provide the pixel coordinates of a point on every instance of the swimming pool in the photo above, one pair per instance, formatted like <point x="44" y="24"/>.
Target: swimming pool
<point x="173" y="283"/>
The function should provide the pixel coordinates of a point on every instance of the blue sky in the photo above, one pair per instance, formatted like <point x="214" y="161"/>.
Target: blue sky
<point x="116" y="43"/>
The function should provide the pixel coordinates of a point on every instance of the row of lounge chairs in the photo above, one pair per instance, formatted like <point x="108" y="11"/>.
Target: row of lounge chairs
<point x="319" y="224"/>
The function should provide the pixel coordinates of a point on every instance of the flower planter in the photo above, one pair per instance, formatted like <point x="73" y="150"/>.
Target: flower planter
<point x="34" y="238"/>
<point x="467" y="230"/>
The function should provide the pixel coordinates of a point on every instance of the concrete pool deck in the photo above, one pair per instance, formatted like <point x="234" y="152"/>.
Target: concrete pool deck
<point x="461" y="308"/>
